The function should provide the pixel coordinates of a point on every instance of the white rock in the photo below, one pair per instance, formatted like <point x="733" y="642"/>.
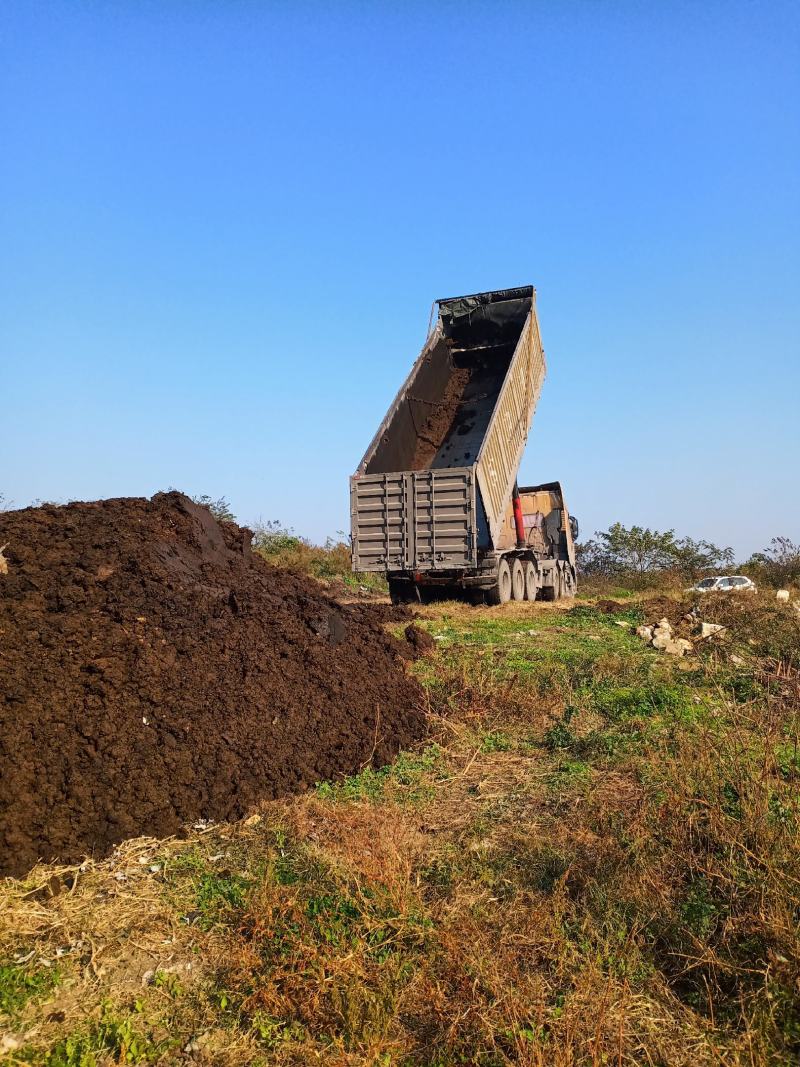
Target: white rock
<point x="197" y="1044"/>
<point x="675" y="648"/>
<point x="661" y="640"/>
<point x="737" y="660"/>
<point x="782" y="594"/>
<point x="664" y="624"/>
<point x="645" y="632"/>
<point x="708" y="629"/>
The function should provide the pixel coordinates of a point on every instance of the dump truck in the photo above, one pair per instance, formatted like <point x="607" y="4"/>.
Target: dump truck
<point x="435" y="504"/>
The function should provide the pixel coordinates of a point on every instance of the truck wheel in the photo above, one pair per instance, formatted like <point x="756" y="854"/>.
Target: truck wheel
<point x="531" y="581"/>
<point x="568" y="583"/>
<point x="517" y="580"/>
<point x="500" y="592"/>
<point x="401" y="591"/>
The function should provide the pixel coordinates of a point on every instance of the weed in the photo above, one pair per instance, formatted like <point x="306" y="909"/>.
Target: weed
<point x="121" y="1037"/>
<point x="403" y="779"/>
<point x="496" y="741"/>
<point x="658" y="699"/>
<point x="272" y="1033"/>
<point x="215" y="896"/>
<point x="169" y="983"/>
<point x="21" y="983"/>
<point x="787" y="758"/>
<point x="699" y="910"/>
<point x="559" y="736"/>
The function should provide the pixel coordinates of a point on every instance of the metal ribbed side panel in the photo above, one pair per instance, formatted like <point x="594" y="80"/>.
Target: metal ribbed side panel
<point x="501" y="452"/>
<point x="414" y="520"/>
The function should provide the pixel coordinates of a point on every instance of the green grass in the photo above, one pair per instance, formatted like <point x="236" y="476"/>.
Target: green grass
<point x="408" y="779"/>
<point x="22" y="983"/>
<point x="210" y="894"/>
<point x="126" y="1039"/>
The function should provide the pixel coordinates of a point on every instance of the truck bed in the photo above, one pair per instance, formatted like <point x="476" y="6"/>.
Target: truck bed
<point x="464" y="410"/>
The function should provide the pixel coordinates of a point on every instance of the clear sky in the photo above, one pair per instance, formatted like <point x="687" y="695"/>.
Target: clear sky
<point x="223" y="225"/>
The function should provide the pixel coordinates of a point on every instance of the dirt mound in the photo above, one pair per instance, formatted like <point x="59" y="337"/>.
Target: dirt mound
<point x="154" y="672"/>
<point x="420" y="640"/>
<point x="611" y="607"/>
<point x="664" y="607"/>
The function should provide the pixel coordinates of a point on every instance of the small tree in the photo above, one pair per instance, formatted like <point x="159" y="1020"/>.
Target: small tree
<point x="273" y="538"/>
<point x="220" y="509"/>
<point x="693" y="558"/>
<point x="640" y="551"/>
<point x="779" y="562"/>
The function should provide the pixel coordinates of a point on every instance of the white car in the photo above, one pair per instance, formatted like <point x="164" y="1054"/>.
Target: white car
<point x="729" y="583"/>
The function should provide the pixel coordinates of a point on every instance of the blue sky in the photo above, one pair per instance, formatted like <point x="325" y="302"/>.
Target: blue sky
<point x="223" y="225"/>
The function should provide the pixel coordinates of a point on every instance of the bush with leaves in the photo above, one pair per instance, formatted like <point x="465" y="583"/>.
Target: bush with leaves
<point x="282" y="547"/>
<point x="778" y="564"/>
<point x="220" y="508"/>
<point x="638" y="551"/>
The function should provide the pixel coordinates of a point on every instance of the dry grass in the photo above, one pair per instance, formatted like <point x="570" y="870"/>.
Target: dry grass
<point x="594" y="859"/>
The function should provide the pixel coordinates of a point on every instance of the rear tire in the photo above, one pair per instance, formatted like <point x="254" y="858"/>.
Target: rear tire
<point x="531" y="581"/>
<point x="500" y="592"/>
<point x="517" y="580"/>
<point x="568" y="583"/>
<point x="402" y="591"/>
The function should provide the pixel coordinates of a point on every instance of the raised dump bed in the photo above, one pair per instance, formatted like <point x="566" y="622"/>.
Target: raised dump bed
<point x="431" y="495"/>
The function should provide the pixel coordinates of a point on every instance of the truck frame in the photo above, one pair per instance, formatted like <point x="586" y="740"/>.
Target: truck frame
<point x="434" y="504"/>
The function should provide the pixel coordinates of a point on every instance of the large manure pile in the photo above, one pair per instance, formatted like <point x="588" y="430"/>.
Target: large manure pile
<point x="154" y="672"/>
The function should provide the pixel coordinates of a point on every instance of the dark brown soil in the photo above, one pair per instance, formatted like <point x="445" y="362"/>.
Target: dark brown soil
<point x="663" y="607"/>
<point x="439" y="422"/>
<point x="154" y="672"/>
<point x="420" y="640"/>
<point x="611" y="607"/>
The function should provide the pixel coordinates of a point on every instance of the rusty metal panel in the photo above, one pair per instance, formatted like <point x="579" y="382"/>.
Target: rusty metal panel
<point x="501" y="452"/>
<point x="414" y="520"/>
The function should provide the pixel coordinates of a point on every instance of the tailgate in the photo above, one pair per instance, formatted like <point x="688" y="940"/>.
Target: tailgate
<point x="414" y="520"/>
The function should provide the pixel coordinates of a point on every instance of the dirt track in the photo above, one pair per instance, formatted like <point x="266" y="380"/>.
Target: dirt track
<point x="154" y="672"/>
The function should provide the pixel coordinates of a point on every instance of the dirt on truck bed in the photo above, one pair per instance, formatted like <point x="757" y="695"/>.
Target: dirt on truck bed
<point x="154" y="672"/>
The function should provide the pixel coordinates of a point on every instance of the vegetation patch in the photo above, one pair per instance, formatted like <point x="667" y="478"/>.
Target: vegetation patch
<point x="593" y="858"/>
<point x="24" y="982"/>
